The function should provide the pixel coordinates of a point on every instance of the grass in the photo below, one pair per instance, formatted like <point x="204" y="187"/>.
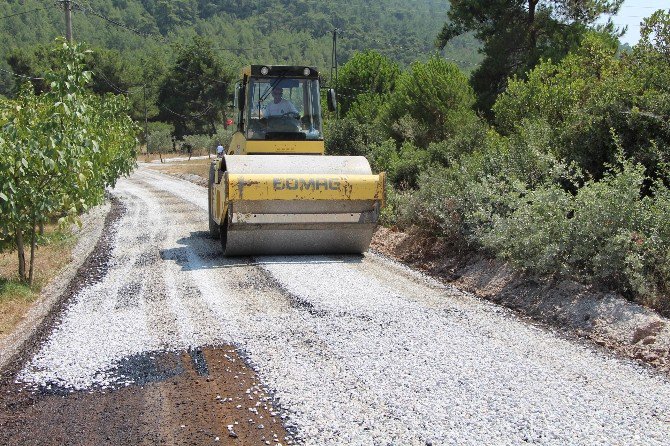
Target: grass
<point x="16" y="297"/>
<point x="149" y="157"/>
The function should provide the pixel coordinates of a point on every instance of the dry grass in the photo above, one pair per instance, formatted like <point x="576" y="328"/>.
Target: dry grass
<point x="149" y="157"/>
<point x="196" y="166"/>
<point x="16" y="298"/>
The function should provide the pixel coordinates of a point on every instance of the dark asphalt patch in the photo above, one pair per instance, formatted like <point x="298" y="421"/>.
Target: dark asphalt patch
<point x="170" y="402"/>
<point x="199" y="362"/>
<point x="148" y="368"/>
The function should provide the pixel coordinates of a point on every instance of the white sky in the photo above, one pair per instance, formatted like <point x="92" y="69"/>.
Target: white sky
<point x="632" y="13"/>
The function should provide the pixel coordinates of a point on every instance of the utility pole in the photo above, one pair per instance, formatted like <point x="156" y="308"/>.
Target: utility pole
<point x="68" y="20"/>
<point x="146" y="128"/>
<point x="333" y="66"/>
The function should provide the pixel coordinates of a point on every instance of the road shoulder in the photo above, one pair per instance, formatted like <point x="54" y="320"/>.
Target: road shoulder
<point x="88" y="236"/>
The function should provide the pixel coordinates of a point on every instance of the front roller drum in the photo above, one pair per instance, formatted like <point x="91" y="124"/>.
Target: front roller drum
<point x="214" y="228"/>
<point x="341" y="239"/>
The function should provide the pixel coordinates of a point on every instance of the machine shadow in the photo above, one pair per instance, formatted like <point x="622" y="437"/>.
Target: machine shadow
<point x="199" y="251"/>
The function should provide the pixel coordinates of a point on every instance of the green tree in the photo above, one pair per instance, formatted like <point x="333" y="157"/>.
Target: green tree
<point x="431" y="102"/>
<point x="58" y="150"/>
<point x="590" y="94"/>
<point x="194" y="94"/>
<point x="517" y="34"/>
<point x="368" y="73"/>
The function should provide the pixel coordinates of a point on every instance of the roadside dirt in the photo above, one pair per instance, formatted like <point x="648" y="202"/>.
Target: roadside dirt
<point x="605" y="318"/>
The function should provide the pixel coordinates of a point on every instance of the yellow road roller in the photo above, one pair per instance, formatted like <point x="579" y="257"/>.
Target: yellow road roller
<point x="273" y="191"/>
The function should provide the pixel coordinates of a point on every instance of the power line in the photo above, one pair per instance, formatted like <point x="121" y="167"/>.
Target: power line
<point x="194" y="116"/>
<point x="21" y="13"/>
<point x="21" y="75"/>
<point x="114" y="86"/>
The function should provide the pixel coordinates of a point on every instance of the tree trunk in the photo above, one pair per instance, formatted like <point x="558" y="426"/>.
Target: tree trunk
<point x="33" y="243"/>
<point x="532" y="31"/>
<point x="21" y="254"/>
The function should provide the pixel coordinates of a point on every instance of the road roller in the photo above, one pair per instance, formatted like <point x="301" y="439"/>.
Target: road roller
<point x="273" y="191"/>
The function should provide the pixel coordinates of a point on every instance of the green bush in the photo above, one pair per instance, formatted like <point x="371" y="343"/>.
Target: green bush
<point x="159" y="141"/>
<point x="432" y="100"/>
<point x="383" y="156"/>
<point x="463" y="198"/>
<point x="407" y="166"/>
<point x="198" y="144"/>
<point x="348" y="137"/>
<point x="589" y="93"/>
<point x="608" y="233"/>
<point x="363" y="82"/>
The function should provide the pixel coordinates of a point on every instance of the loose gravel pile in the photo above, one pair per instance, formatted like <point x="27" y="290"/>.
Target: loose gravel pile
<point x="356" y="350"/>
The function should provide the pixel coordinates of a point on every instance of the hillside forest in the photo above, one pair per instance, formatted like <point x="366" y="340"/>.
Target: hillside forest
<point x="521" y="129"/>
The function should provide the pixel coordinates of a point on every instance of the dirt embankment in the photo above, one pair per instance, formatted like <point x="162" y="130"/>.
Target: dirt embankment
<point x="605" y="318"/>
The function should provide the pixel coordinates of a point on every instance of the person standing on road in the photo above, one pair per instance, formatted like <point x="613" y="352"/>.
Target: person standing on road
<point x="219" y="150"/>
<point x="279" y="106"/>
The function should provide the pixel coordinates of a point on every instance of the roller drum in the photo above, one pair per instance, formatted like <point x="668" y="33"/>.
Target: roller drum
<point x="298" y="204"/>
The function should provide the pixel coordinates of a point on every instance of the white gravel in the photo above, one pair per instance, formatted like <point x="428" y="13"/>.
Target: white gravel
<point x="357" y="350"/>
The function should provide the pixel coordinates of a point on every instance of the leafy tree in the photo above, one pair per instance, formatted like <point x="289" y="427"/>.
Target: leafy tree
<point x="194" y="94"/>
<point x="655" y="33"/>
<point x="431" y="101"/>
<point x="517" y="34"/>
<point x="368" y="73"/>
<point x="59" y="150"/>
<point x="590" y="94"/>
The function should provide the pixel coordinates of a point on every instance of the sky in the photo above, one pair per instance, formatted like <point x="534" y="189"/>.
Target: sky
<point x="632" y="13"/>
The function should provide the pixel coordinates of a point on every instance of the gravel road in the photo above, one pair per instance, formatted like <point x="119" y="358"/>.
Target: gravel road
<point x="355" y="350"/>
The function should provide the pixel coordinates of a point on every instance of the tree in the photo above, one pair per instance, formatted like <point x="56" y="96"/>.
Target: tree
<point x="58" y="152"/>
<point x="431" y="101"/>
<point x="367" y="73"/>
<point x="194" y="94"/>
<point x="516" y="34"/>
<point x="593" y="102"/>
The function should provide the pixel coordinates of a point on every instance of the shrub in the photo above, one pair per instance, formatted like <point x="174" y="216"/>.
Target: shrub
<point x="159" y="141"/>
<point x="197" y="143"/>
<point x="464" y="198"/>
<point x="608" y="233"/>
<point x="405" y="169"/>
<point x="348" y="137"/>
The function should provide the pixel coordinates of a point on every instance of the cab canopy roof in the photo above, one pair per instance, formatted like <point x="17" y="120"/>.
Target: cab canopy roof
<point x="300" y="71"/>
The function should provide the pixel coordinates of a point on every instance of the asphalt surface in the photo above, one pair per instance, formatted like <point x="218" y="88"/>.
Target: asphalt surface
<point x="354" y="350"/>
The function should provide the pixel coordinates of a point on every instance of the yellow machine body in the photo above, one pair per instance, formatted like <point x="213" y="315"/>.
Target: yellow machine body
<point x="274" y="192"/>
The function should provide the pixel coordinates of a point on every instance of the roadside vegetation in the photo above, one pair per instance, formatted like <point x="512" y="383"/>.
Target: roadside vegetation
<point x="17" y="296"/>
<point x="567" y="178"/>
<point x="59" y="150"/>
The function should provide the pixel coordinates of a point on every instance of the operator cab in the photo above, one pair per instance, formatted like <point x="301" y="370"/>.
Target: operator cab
<point x="297" y="115"/>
